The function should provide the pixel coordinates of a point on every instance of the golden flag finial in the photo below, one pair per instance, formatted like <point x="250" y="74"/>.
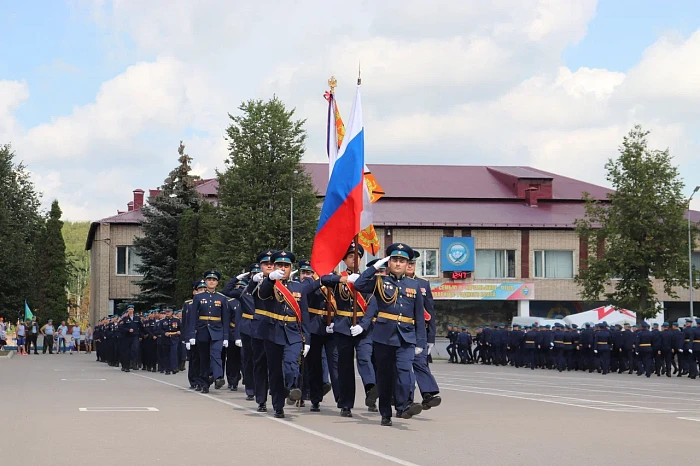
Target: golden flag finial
<point x="332" y="82"/>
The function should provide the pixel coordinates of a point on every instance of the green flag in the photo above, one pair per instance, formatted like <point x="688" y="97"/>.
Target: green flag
<point x="27" y="312"/>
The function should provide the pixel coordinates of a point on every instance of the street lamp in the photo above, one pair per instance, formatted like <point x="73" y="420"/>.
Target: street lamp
<point x="291" y="216"/>
<point x="690" y="254"/>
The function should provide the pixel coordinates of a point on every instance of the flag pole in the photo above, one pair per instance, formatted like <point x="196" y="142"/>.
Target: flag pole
<point x="332" y="83"/>
<point x="355" y="269"/>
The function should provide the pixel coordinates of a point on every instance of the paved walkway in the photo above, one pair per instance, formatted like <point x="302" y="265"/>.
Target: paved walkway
<point x="490" y="416"/>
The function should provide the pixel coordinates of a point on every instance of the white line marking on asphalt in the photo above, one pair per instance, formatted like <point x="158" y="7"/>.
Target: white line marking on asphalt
<point x="80" y="380"/>
<point x="69" y="370"/>
<point x="369" y="451"/>
<point x="125" y="409"/>
<point x="689" y="419"/>
<point x="556" y="400"/>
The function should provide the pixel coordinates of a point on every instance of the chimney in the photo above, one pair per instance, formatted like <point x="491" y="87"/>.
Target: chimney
<point x="131" y="205"/>
<point x="138" y="199"/>
<point x="153" y="192"/>
<point x="531" y="195"/>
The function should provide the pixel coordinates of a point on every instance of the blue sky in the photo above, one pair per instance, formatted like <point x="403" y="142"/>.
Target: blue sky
<point x="95" y="95"/>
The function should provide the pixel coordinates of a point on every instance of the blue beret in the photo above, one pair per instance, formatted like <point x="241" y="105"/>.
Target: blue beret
<point x="212" y="274"/>
<point x="283" y="256"/>
<point x="264" y="256"/>
<point x="400" y="250"/>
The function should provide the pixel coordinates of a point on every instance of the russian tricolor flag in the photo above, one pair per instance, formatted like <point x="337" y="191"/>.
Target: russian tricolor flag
<point x="343" y="204"/>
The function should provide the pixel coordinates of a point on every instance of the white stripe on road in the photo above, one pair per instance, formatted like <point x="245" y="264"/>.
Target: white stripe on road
<point x="694" y="419"/>
<point x="563" y="400"/>
<point x="124" y="409"/>
<point x="80" y="380"/>
<point x="369" y="451"/>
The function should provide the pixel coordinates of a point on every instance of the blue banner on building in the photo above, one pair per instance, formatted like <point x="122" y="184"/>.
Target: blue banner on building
<point x="457" y="254"/>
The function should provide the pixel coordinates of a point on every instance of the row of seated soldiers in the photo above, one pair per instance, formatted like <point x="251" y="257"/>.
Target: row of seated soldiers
<point x="600" y="347"/>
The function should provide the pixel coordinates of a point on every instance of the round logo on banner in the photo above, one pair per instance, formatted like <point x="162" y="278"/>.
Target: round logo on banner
<point x="458" y="253"/>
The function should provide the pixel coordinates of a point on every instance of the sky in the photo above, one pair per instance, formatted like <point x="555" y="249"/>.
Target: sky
<point x="95" y="95"/>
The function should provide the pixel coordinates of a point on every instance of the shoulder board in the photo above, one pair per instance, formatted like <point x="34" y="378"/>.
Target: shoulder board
<point x="189" y="301"/>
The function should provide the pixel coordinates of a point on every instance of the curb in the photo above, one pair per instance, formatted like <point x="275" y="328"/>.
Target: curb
<point x="8" y="355"/>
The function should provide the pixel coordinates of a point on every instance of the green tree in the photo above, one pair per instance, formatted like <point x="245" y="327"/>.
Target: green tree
<point x="158" y="247"/>
<point x="186" y="270"/>
<point x="78" y="259"/>
<point x="20" y="228"/>
<point x="53" y="269"/>
<point x="641" y="228"/>
<point x="263" y="172"/>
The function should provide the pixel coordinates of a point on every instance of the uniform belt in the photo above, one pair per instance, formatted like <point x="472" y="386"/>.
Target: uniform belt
<point x="349" y="314"/>
<point x="530" y="342"/>
<point x="247" y="316"/>
<point x="645" y="344"/>
<point x="687" y="339"/>
<point x="217" y="319"/>
<point x="276" y="316"/>
<point x="559" y="342"/>
<point x="696" y="341"/>
<point x="602" y="342"/>
<point x="400" y="318"/>
<point x="567" y="342"/>
<point x="319" y="312"/>
<point x="232" y="324"/>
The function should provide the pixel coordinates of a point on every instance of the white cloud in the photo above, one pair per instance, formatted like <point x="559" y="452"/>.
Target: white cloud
<point x="443" y="81"/>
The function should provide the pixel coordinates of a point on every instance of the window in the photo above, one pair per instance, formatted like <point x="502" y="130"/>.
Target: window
<point x="494" y="263"/>
<point x="427" y="263"/>
<point x="127" y="260"/>
<point x="554" y="264"/>
<point x="695" y="260"/>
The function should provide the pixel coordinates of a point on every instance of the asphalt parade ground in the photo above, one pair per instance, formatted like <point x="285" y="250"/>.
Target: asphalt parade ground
<point x="71" y="410"/>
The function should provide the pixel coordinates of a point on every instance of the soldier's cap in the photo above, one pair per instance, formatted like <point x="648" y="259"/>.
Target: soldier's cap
<point x="502" y="325"/>
<point x="547" y="326"/>
<point x="416" y="255"/>
<point x="587" y="324"/>
<point x="212" y="274"/>
<point x="618" y="325"/>
<point x="627" y="324"/>
<point x="665" y="324"/>
<point x="400" y="250"/>
<point x="253" y="268"/>
<point x="674" y="324"/>
<point x="574" y="326"/>
<point x="697" y="321"/>
<point x="264" y="256"/>
<point x="516" y="325"/>
<point x="166" y="308"/>
<point x="464" y="327"/>
<point x="199" y="284"/>
<point x="688" y="321"/>
<point x="601" y="325"/>
<point x="283" y="257"/>
<point x="372" y="262"/>
<point x="656" y="324"/>
<point x="129" y="306"/>
<point x="634" y="326"/>
<point x="351" y="250"/>
<point x="645" y="324"/>
<point x="567" y="326"/>
<point x="305" y="264"/>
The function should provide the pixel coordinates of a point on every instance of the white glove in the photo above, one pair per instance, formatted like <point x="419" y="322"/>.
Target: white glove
<point x="276" y="275"/>
<point x="225" y="343"/>
<point x="690" y="351"/>
<point x="680" y="350"/>
<point x="187" y="345"/>
<point x="192" y="341"/>
<point x="239" y="343"/>
<point x="595" y="351"/>
<point x="430" y="347"/>
<point x="293" y="272"/>
<point x="352" y="278"/>
<point x="419" y="350"/>
<point x="306" y="349"/>
<point x="551" y="345"/>
<point x="258" y="277"/>
<point x="355" y="330"/>
<point x="377" y="265"/>
<point x="329" y="328"/>
<point x="242" y="276"/>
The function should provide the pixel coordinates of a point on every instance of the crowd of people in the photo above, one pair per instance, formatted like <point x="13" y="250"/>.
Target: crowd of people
<point x="293" y="337"/>
<point x="603" y="348"/>
<point x="55" y="340"/>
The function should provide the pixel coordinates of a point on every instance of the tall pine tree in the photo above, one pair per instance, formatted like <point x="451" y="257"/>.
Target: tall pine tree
<point x="158" y="246"/>
<point x="262" y="174"/>
<point x="186" y="270"/>
<point x="52" y="302"/>
<point x="20" y="231"/>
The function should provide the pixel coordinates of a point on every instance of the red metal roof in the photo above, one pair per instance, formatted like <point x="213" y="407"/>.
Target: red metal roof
<point x="458" y="181"/>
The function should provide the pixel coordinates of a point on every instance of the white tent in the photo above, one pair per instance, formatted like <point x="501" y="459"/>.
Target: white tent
<point x="602" y="314"/>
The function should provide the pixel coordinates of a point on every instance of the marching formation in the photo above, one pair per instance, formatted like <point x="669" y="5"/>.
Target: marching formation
<point x="294" y="339"/>
<point x="600" y="347"/>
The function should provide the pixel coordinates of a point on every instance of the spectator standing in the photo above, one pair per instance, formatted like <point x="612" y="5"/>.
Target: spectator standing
<point x="3" y="333"/>
<point x="47" y="331"/>
<point x="76" y="337"/>
<point x="21" y="338"/>
<point x="33" y="335"/>
<point x="88" y="340"/>
<point x="62" y="335"/>
<point x="71" y="345"/>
